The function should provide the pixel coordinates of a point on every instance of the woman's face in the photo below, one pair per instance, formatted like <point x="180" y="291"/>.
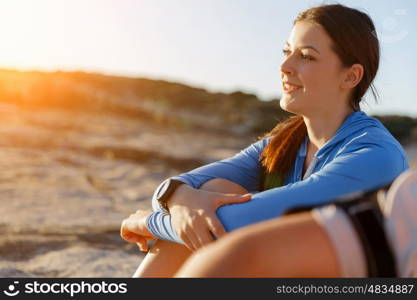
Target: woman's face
<point x="311" y="73"/>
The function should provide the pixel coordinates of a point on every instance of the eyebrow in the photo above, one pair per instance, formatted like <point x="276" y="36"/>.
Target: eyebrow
<point x="304" y="47"/>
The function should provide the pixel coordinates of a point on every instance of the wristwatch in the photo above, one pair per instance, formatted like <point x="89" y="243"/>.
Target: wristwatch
<point x="165" y="190"/>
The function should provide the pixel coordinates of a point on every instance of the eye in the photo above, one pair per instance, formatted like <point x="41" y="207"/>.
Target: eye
<point x="286" y="52"/>
<point x="307" y="57"/>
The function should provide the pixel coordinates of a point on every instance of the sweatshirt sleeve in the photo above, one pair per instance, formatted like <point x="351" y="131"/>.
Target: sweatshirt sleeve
<point x="243" y="169"/>
<point x="358" y="168"/>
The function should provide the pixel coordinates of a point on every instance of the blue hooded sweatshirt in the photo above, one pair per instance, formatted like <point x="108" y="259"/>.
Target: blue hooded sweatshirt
<point x="361" y="156"/>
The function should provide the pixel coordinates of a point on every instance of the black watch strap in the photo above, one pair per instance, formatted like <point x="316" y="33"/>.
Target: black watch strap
<point x="165" y="191"/>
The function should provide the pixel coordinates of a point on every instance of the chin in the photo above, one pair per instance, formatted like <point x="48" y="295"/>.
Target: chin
<point x="289" y="105"/>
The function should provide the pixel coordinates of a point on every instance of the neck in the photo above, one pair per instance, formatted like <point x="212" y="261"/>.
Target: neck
<point x="321" y="129"/>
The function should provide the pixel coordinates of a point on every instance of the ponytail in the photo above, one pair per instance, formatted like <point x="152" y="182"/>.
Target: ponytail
<point x="279" y="155"/>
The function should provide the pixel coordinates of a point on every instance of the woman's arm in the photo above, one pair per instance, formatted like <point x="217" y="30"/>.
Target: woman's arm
<point x="359" y="168"/>
<point x="160" y="223"/>
<point x="134" y="229"/>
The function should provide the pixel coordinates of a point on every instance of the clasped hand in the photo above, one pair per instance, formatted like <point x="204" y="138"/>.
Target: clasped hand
<point x="134" y="229"/>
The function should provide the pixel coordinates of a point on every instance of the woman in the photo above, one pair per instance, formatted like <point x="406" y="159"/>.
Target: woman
<point x="328" y="149"/>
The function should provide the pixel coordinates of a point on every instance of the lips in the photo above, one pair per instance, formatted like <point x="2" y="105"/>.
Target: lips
<point x="290" y="87"/>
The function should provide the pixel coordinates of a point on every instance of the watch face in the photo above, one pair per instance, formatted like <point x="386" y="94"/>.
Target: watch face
<point x="163" y="188"/>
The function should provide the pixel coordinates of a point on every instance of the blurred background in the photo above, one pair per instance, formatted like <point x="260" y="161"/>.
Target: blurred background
<point x="100" y="100"/>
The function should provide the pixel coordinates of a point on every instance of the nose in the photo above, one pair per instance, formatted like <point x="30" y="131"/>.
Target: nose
<point x="287" y="66"/>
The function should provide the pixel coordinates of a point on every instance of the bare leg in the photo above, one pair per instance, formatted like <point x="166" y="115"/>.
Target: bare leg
<point x="289" y="246"/>
<point x="165" y="258"/>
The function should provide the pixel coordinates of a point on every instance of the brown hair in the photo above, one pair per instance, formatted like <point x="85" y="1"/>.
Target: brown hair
<point x="354" y="41"/>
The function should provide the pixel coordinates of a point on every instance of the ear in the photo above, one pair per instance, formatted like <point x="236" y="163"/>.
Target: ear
<point x="353" y="76"/>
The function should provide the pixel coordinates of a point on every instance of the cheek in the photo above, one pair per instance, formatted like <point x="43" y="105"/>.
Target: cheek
<point x="317" y="78"/>
<point x="312" y="76"/>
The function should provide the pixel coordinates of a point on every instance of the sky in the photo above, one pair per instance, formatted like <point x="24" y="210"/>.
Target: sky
<point x="219" y="45"/>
